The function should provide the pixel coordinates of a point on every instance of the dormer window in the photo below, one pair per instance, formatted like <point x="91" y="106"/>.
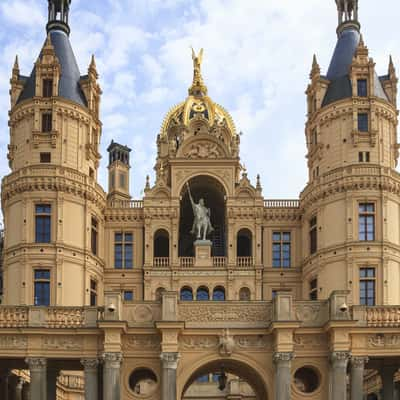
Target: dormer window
<point x="362" y="90"/>
<point x="47" y="87"/>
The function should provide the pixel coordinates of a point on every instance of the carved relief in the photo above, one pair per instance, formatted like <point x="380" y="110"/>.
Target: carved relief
<point x="62" y="343"/>
<point x="13" y="342"/>
<point x="308" y="313"/>
<point x="382" y="341"/>
<point x="253" y="342"/>
<point x="142" y="313"/>
<point x="203" y="150"/>
<point x="142" y="342"/>
<point x="198" y="342"/>
<point x="309" y="341"/>
<point x="226" y="344"/>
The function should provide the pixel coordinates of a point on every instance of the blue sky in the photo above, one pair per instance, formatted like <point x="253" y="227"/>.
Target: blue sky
<point x="257" y="60"/>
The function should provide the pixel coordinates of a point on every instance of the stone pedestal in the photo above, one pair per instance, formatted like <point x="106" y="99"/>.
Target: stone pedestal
<point x="169" y="364"/>
<point x="339" y="360"/>
<point x="202" y="251"/>
<point x="38" y="385"/>
<point x="91" y="382"/>
<point x="111" y="376"/>
<point x="357" y="377"/>
<point x="283" y="376"/>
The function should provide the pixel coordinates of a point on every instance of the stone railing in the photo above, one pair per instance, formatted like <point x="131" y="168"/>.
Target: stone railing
<point x="244" y="262"/>
<point x="125" y="204"/>
<point x="161" y="262"/>
<point x="219" y="261"/>
<point x="186" y="262"/>
<point x="378" y="316"/>
<point x="48" y="317"/>
<point x="74" y="382"/>
<point x="281" y="203"/>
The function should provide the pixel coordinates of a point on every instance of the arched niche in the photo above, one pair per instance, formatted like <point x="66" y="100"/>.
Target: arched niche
<point x="230" y="367"/>
<point x="161" y="243"/>
<point x="186" y="294"/>
<point x="211" y="190"/>
<point x="244" y="243"/>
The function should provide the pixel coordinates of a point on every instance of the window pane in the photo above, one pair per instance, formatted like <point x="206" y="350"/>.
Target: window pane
<point x="42" y="293"/>
<point x="118" y="255"/>
<point x="202" y="294"/>
<point x="186" y="294"/>
<point x="276" y="237"/>
<point x="128" y="256"/>
<point x="363" y="122"/>
<point x="128" y="237"/>
<point x="286" y="237"/>
<point x="128" y="295"/>
<point x="362" y="87"/>
<point x="118" y="237"/>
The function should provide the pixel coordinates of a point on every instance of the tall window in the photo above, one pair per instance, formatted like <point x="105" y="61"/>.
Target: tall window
<point x="281" y="249"/>
<point x="42" y="287"/>
<point x="47" y="122"/>
<point x="42" y="223"/>
<point x="313" y="289"/>
<point x="313" y="235"/>
<point x="123" y="250"/>
<point x="47" y="87"/>
<point x="362" y="90"/>
<point x="367" y="286"/>
<point x="93" y="292"/>
<point x="363" y="125"/>
<point x="94" y="236"/>
<point x="366" y="221"/>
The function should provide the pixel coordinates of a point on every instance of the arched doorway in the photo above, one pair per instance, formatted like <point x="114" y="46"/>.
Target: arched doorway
<point x="244" y="243"/>
<point x="226" y="377"/>
<point x="213" y="193"/>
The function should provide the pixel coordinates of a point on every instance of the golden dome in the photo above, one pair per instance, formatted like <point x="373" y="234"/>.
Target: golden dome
<point x="198" y="107"/>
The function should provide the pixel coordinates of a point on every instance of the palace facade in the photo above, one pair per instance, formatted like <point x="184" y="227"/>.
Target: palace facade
<point x="106" y="297"/>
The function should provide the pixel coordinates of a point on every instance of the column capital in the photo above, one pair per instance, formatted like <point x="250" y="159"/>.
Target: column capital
<point x="339" y="357"/>
<point x="36" y="364"/>
<point x="90" y="363"/>
<point x="112" y="360"/>
<point x="283" y="357"/>
<point x="170" y="360"/>
<point x="359" y="361"/>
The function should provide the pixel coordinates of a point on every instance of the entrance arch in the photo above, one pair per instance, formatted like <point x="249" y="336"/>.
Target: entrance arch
<point x="214" y="195"/>
<point x="232" y="366"/>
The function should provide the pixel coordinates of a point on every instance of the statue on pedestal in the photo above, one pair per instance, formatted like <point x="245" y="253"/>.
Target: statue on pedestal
<point x="201" y="224"/>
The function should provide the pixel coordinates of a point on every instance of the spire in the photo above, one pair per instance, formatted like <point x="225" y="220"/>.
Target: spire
<point x="391" y="69"/>
<point x="315" y="69"/>
<point x="198" y="87"/>
<point x="58" y="16"/>
<point x="92" y="68"/>
<point x="16" y="64"/>
<point x="347" y="15"/>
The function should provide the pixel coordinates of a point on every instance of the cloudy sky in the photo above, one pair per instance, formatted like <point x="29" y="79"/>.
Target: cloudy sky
<point x="257" y="60"/>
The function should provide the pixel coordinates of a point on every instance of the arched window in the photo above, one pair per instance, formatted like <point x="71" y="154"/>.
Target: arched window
<point x="159" y="293"/>
<point x="244" y="243"/>
<point x="186" y="294"/>
<point x="161" y="243"/>
<point x="244" y="294"/>
<point x="219" y="293"/>
<point x="202" y="294"/>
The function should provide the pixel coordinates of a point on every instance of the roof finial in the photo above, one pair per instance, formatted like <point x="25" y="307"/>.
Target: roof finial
<point x="315" y="69"/>
<point x="347" y="15"/>
<point x="58" y="16"/>
<point x="16" y="64"/>
<point x="198" y="87"/>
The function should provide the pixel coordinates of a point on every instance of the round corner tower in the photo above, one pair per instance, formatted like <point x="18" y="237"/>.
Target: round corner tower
<point x="351" y="202"/>
<point x="51" y="202"/>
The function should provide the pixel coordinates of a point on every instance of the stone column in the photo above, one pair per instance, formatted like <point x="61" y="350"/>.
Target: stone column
<point x="339" y="361"/>
<point x="169" y="364"/>
<point x="387" y="374"/>
<point x="91" y="381"/>
<point x="283" y="375"/>
<point x="357" y="377"/>
<point x="111" y="376"/>
<point x="18" y="389"/>
<point x="38" y="386"/>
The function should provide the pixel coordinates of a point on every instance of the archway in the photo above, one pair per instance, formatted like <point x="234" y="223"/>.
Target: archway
<point x="161" y="244"/>
<point x="213" y="193"/>
<point x="244" y="243"/>
<point x="221" y="373"/>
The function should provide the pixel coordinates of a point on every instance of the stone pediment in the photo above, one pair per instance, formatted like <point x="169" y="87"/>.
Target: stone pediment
<point x="204" y="147"/>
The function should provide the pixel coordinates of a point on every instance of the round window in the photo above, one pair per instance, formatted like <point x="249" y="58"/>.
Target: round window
<point x="143" y="381"/>
<point x="306" y="380"/>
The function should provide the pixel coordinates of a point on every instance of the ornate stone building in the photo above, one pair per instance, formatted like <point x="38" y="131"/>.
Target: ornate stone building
<point x="105" y="297"/>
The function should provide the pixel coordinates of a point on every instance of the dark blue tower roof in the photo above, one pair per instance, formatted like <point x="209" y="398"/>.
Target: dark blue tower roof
<point x="69" y="86"/>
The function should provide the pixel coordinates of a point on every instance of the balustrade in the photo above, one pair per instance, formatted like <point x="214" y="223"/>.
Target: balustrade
<point x="161" y="262"/>
<point x="186" y="262"/>
<point x="245" y="262"/>
<point x="219" y="261"/>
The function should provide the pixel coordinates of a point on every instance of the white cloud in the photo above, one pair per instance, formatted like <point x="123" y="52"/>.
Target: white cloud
<point x="22" y="12"/>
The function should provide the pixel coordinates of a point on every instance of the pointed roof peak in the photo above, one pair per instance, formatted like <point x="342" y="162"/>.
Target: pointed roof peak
<point x="16" y="63"/>
<point x="315" y="69"/>
<point x="198" y="88"/>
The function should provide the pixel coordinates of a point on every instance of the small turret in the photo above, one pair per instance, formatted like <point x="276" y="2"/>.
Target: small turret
<point x="118" y="171"/>
<point x="347" y="15"/>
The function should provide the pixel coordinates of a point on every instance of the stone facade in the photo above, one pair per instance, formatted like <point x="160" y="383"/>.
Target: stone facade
<point x="106" y="297"/>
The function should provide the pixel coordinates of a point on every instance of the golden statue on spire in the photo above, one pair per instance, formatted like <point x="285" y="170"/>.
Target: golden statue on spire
<point x="198" y="87"/>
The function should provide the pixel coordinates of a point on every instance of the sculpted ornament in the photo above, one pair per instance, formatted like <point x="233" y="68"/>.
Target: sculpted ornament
<point x="252" y="342"/>
<point x="226" y="344"/>
<point x="379" y="341"/>
<point x="13" y="342"/>
<point x="203" y="150"/>
<point x="283" y="357"/>
<point x="61" y="343"/>
<point x="112" y="360"/>
<point x="199" y="342"/>
<point x="143" y="342"/>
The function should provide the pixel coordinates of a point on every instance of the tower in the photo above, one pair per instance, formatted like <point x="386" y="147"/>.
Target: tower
<point x="118" y="172"/>
<point x="51" y="198"/>
<point x="352" y="154"/>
